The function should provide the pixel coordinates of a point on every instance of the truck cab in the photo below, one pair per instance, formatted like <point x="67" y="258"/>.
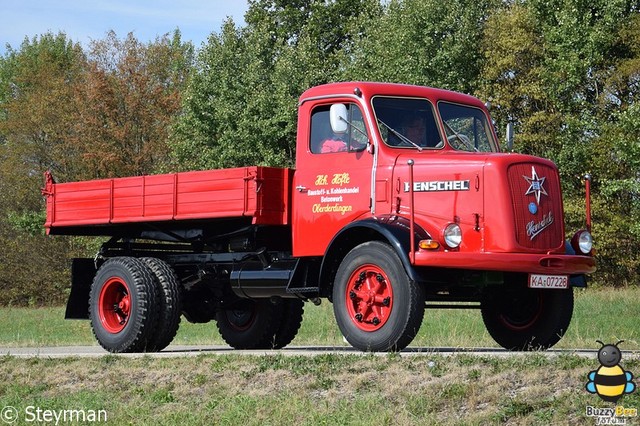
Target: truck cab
<point x="420" y="170"/>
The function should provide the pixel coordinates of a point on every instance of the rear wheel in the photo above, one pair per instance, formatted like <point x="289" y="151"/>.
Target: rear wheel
<point x="376" y="305"/>
<point x="123" y="305"/>
<point x="250" y="324"/>
<point x="169" y="301"/>
<point x="292" y="311"/>
<point x="525" y="319"/>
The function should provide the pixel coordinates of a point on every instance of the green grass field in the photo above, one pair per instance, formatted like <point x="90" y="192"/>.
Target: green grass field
<point x="326" y="389"/>
<point x="603" y="314"/>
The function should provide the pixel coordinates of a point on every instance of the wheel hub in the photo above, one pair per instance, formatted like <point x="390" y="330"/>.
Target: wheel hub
<point x="522" y="311"/>
<point x="370" y="297"/>
<point x="241" y="318"/>
<point x="114" y="305"/>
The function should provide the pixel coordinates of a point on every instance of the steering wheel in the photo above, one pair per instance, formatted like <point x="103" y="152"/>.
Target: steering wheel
<point x="459" y="141"/>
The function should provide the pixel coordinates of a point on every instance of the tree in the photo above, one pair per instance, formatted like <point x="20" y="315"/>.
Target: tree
<point x="126" y="102"/>
<point x="433" y="42"/>
<point x="37" y="107"/>
<point x="81" y="116"/>
<point x="241" y="106"/>
<point x="513" y="53"/>
<point x="566" y="72"/>
<point x="36" y="92"/>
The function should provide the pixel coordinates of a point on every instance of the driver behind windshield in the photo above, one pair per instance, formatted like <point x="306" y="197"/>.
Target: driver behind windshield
<point x="415" y="129"/>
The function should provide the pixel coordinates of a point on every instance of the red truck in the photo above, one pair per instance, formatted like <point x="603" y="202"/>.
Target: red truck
<point x="401" y="200"/>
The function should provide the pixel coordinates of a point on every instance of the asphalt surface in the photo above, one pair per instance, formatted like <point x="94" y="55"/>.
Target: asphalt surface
<point x="173" y="351"/>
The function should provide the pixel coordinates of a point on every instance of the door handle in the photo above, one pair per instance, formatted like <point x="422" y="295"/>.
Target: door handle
<point x="302" y="188"/>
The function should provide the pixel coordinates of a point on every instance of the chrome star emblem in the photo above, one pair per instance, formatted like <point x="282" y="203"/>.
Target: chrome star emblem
<point x="536" y="185"/>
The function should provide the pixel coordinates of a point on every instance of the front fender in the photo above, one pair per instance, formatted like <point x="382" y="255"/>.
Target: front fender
<point x="391" y="229"/>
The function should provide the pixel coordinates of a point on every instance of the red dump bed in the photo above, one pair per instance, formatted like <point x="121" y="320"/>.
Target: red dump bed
<point x="262" y="193"/>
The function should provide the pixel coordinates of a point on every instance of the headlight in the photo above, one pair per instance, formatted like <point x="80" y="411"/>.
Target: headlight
<point x="452" y="235"/>
<point x="582" y="242"/>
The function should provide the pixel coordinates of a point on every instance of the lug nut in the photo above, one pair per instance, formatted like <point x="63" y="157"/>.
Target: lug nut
<point x="386" y="301"/>
<point x="376" y="321"/>
<point x="352" y="294"/>
<point x="358" y="317"/>
<point x="380" y="278"/>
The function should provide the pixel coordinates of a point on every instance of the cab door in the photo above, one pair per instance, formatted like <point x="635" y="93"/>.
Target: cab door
<point x="332" y="182"/>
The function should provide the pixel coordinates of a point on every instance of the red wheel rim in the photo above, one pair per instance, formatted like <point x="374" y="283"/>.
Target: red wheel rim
<point x="369" y="297"/>
<point x="241" y="320"/>
<point x="523" y="315"/>
<point x="114" y="305"/>
<point x="242" y="317"/>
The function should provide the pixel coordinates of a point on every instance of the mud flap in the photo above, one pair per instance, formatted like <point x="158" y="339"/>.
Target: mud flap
<point x="82" y="273"/>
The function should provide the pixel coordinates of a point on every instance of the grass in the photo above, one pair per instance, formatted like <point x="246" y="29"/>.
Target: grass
<point x="321" y="390"/>
<point x="326" y="389"/>
<point x="600" y="314"/>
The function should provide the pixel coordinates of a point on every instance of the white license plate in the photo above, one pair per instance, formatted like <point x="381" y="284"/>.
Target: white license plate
<point x="548" y="281"/>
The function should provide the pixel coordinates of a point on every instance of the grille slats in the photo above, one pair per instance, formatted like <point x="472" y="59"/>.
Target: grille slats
<point x="542" y="230"/>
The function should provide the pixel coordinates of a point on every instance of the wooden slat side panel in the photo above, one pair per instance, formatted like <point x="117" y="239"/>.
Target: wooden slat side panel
<point x="203" y="195"/>
<point x="79" y="203"/>
<point x="248" y="191"/>
<point x="273" y="202"/>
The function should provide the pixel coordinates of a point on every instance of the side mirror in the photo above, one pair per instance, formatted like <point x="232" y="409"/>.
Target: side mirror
<point x="338" y="117"/>
<point x="509" y="135"/>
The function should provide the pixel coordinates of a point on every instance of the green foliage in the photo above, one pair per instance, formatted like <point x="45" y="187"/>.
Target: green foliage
<point x="434" y="42"/>
<point x="36" y="105"/>
<point x="28" y="222"/>
<point x="240" y="109"/>
<point x="567" y="72"/>
<point x="127" y="99"/>
<point x="80" y="115"/>
<point x="230" y="116"/>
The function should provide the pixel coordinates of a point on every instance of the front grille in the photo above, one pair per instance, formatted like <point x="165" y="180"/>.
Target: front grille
<point x="537" y="205"/>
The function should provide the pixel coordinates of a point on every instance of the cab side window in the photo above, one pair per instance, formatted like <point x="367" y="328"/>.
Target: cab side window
<point x="323" y="140"/>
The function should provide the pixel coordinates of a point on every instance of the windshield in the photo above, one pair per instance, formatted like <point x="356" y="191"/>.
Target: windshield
<point x="407" y="123"/>
<point x="467" y="128"/>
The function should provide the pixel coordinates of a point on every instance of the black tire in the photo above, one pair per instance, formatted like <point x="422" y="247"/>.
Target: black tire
<point x="523" y="319"/>
<point x="292" y="312"/>
<point x="372" y="275"/>
<point x="250" y="324"/>
<point x="169" y="304"/>
<point x="123" y="305"/>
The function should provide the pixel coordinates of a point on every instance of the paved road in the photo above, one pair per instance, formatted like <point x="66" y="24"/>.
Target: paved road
<point x="188" y="351"/>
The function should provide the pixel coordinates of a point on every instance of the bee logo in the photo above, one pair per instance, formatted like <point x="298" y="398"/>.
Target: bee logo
<point x="610" y="381"/>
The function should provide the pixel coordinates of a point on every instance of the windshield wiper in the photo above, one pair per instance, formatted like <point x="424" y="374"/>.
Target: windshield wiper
<point x="458" y="136"/>
<point x="399" y="135"/>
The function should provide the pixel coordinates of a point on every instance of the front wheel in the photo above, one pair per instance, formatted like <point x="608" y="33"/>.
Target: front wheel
<point x="250" y="324"/>
<point x="292" y="312"/>
<point x="524" y="319"/>
<point x="376" y="305"/>
<point x="261" y="323"/>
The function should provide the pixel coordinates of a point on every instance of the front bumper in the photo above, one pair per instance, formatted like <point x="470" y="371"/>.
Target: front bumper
<point x="560" y="264"/>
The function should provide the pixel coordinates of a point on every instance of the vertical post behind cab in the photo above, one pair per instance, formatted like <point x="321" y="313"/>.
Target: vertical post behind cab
<point x="411" y="211"/>
<point x="587" y="187"/>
